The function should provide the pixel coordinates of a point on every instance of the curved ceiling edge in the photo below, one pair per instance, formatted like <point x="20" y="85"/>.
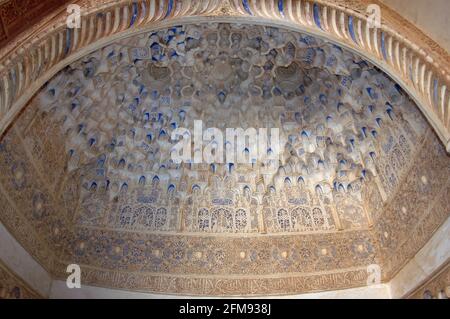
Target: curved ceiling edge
<point x="28" y="66"/>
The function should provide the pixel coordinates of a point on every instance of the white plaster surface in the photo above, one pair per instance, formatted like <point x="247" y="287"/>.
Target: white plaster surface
<point x="17" y="259"/>
<point x="437" y="251"/>
<point x="428" y="260"/>
<point x="407" y="279"/>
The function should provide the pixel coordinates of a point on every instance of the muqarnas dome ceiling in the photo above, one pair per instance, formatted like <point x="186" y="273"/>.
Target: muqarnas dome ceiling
<point x="114" y="201"/>
<point x="335" y="111"/>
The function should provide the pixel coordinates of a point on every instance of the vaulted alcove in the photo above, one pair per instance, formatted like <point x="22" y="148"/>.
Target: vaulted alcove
<point x="361" y="184"/>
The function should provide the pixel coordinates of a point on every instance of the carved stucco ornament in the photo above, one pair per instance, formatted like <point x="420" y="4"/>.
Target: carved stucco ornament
<point x="88" y="176"/>
<point x="88" y="179"/>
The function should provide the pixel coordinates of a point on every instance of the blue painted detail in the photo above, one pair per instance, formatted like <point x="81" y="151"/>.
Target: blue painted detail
<point x="135" y="13"/>
<point x="75" y="103"/>
<point x="280" y="7"/>
<point x="379" y="121"/>
<point x="246" y="7"/>
<point x="364" y="173"/>
<point x="169" y="10"/>
<point x="390" y="112"/>
<point x="309" y="56"/>
<point x="68" y="41"/>
<point x="169" y="37"/>
<point x="317" y="15"/>
<point x="307" y="100"/>
<point x="335" y="46"/>
<point x="363" y="64"/>
<point x="173" y="54"/>
<point x="319" y="188"/>
<point x="308" y="40"/>
<point x="364" y="131"/>
<point x="162" y="133"/>
<point x="371" y="92"/>
<point x="331" y="61"/>
<point x="352" y="29"/>
<point x="383" y="45"/>
<point x="222" y="97"/>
